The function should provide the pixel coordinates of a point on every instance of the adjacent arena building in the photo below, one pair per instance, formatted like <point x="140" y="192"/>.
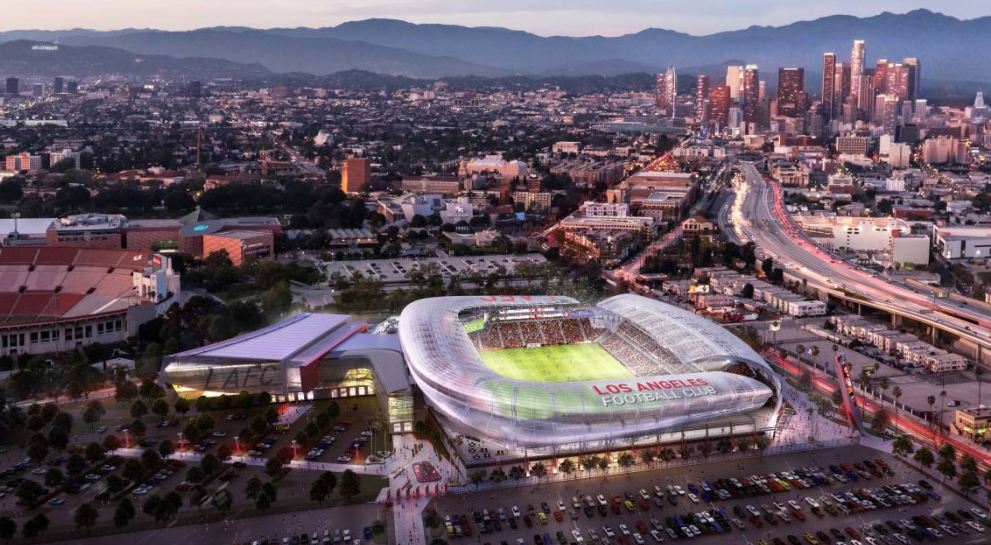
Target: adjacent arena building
<point x="511" y="376"/>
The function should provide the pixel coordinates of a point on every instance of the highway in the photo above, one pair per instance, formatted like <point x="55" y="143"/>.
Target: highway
<point x="758" y="214"/>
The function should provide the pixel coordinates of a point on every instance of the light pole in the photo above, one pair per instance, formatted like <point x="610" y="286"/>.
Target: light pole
<point x="237" y="444"/>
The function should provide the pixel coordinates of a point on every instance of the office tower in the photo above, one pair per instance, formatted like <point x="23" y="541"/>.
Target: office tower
<point x="194" y="88"/>
<point x="671" y="88"/>
<point x="355" y="173"/>
<point x="39" y="90"/>
<point x="864" y="100"/>
<point x="666" y="90"/>
<point x="72" y="87"/>
<point x="914" y="76"/>
<point x="828" y="79"/>
<point x="720" y="97"/>
<point x="701" y="93"/>
<point x="857" y="69"/>
<point x="881" y="76"/>
<point x="13" y="86"/>
<point x="751" y="93"/>
<point x="58" y="87"/>
<point x="898" y="81"/>
<point x="791" y="91"/>
<point x="841" y="87"/>
<point x="734" y="80"/>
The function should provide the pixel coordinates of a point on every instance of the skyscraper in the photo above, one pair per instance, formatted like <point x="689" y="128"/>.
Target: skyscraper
<point x="719" y="103"/>
<point x="355" y="173"/>
<point x="881" y="76"/>
<point x="666" y="90"/>
<point x="13" y="86"/>
<point x="751" y="93"/>
<point x="865" y="95"/>
<point x="857" y="69"/>
<point x="888" y="117"/>
<point x="828" y="79"/>
<point x="58" y="86"/>
<point x="898" y="81"/>
<point x="841" y="87"/>
<point x="914" y="76"/>
<point x="791" y="91"/>
<point x="734" y="80"/>
<point x="701" y="94"/>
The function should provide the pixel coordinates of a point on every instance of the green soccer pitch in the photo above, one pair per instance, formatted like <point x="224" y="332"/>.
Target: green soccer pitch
<point x="561" y="363"/>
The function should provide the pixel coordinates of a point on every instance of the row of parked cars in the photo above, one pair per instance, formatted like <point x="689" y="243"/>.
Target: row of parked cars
<point x="338" y="536"/>
<point x="168" y="469"/>
<point x="898" y="532"/>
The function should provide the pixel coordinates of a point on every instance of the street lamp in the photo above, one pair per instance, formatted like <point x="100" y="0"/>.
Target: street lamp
<point x="127" y="438"/>
<point x="180" y="440"/>
<point x="237" y="444"/>
<point x="295" y="447"/>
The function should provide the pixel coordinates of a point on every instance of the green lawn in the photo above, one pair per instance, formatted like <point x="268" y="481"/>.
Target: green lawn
<point x="564" y="363"/>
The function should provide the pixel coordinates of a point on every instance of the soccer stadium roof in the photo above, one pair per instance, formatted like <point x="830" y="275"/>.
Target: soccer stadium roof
<point x="701" y="384"/>
<point x="277" y="342"/>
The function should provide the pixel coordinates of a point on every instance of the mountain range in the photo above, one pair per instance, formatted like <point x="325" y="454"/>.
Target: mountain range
<point x="946" y="46"/>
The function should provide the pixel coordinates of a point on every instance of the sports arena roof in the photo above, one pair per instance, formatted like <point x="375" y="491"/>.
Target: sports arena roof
<point x="703" y="362"/>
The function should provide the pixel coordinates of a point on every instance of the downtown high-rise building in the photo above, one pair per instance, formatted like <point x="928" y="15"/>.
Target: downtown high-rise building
<point x="791" y="91"/>
<point x="881" y="76"/>
<point x="751" y="94"/>
<point x="898" y="82"/>
<point x="734" y="80"/>
<point x="701" y="95"/>
<point x="865" y="95"/>
<point x="841" y="88"/>
<point x="13" y="86"/>
<point x="828" y="87"/>
<point x="666" y="91"/>
<point x="720" y="98"/>
<point x="857" y="56"/>
<point x="914" y="76"/>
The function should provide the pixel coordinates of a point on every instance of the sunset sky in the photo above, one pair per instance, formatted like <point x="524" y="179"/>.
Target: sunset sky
<point x="546" y="17"/>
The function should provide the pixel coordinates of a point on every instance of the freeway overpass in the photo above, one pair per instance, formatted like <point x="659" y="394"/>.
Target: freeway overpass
<point x="758" y="215"/>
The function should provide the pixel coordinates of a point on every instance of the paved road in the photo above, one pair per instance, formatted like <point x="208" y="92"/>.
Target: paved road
<point x="761" y="217"/>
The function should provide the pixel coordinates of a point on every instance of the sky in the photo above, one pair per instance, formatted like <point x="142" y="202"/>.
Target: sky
<point x="545" y="17"/>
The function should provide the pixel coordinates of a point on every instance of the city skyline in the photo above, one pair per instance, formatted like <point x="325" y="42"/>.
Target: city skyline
<point x="579" y="18"/>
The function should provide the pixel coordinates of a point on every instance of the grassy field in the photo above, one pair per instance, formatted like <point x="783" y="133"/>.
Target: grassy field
<point x="564" y="363"/>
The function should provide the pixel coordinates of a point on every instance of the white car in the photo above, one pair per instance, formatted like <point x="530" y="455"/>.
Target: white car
<point x="693" y="497"/>
<point x="561" y="506"/>
<point x="657" y="536"/>
<point x="608" y="531"/>
<point x="516" y="512"/>
<point x="602" y="500"/>
<point x="56" y="501"/>
<point x="638" y="539"/>
<point x="795" y="505"/>
<point x="624" y="529"/>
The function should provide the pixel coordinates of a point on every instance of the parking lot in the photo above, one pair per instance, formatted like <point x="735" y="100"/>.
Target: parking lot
<point x="637" y="513"/>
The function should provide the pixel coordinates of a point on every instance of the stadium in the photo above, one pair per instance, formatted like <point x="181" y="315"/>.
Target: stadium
<point x="545" y="375"/>
<point x="55" y="299"/>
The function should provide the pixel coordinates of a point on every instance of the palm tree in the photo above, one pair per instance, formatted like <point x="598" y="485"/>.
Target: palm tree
<point x="897" y="393"/>
<point x="815" y="354"/>
<point x="942" y="405"/>
<point x="978" y="371"/>
<point x="931" y="400"/>
<point x="801" y="351"/>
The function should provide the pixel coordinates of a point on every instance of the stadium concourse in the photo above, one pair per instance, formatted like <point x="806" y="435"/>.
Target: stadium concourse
<point x="516" y="376"/>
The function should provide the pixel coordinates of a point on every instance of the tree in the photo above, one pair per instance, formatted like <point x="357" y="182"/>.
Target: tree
<point x="924" y="457"/>
<point x="567" y="466"/>
<point x="273" y="467"/>
<point x="263" y="502"/>
<point x="35" y="526"/>
<point x="626" y="460"/>
<point x="139" y="409"/>
<point x="947" y="452"/>
<point x="58" y="438"/>
<point x="968" y="464"/>
<point x="319" y="491"/>
<point x="181" y="406"/>
<point x="538" y="470"/>
<point x="111" y="443"/>
<point x="896" y="392"/>
<point x="880" y="421"/>
<point x="902" y="446"/>
<point x="350" y="485"/>
<point x="29" y="492"/>
<point x="85" y="516"/>
<point x="947" y="468"/>
<point x="165" y="448"/>
<point x="123" y="513"/>
<point x="160" y="408"/>
<point x="968" y="481"/>
<point x="54" y="477"/>
<point x="516" y="473"/>
<point x="132" y="470"/>
<point x="7" y="528"/>
<point x="603" y="463"/>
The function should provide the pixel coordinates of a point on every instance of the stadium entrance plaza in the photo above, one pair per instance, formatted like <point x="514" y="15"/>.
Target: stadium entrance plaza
<point x="632" y="482"/>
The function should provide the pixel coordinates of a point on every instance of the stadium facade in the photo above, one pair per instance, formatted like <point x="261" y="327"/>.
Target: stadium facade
<point x="55" y="299"/>
<point x="681" y="377"/>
